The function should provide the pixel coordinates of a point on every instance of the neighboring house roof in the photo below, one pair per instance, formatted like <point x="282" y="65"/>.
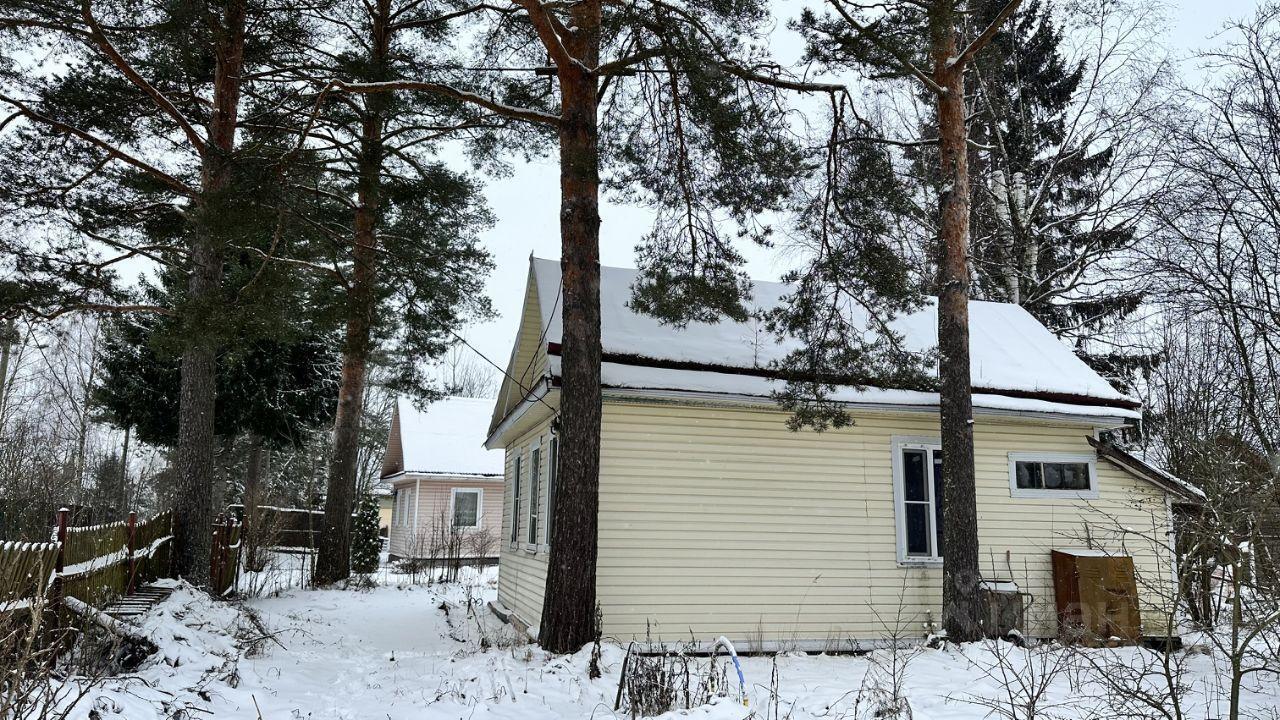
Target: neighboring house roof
<point x="1017" y="364"/>
<point x="446" y="438"/>
<point x="1140" y="466"/>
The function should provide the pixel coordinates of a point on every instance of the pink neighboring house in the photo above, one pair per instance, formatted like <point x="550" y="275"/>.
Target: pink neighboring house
<point x="446" y="487"/>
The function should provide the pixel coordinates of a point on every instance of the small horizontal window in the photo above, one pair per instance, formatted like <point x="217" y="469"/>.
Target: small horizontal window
<point x="1070" y="475"/>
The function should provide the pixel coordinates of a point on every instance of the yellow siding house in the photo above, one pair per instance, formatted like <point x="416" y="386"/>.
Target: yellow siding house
<point x="715" y="519"/>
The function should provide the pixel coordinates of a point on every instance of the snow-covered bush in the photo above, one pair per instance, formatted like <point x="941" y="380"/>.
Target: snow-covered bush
<point x="365" y="543"/>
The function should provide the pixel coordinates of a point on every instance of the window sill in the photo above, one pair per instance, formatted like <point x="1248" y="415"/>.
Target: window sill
<point x="530" y="549"/>
<point x="919" y="562"/>
<point x="1053" y="494"/>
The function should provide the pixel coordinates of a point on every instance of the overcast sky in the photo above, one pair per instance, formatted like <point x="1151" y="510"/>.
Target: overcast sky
<point x="527" y="204"/>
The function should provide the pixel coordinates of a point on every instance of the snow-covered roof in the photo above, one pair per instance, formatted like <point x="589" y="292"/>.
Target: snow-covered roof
<point x="446" y="438"/>
<point x="1012" y="353"/>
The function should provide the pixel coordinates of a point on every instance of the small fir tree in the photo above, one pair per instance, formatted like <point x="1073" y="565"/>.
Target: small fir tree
<point x="365" y="544"/>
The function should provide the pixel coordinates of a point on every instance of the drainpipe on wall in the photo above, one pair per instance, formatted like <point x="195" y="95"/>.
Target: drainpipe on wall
<point x="417" y="501"/>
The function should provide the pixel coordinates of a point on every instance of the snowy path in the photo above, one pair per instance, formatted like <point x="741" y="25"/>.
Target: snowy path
<point x="395" y="653"/>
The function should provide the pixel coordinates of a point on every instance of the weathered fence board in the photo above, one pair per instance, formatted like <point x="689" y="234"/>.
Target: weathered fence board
<point x="25" y="571"/>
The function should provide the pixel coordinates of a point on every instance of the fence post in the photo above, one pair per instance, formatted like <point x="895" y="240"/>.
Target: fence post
<point x="133" y="548"/>
<point x="232" y="560"/>
<point x="55" y="592"/>
<point x="216" y="556"/>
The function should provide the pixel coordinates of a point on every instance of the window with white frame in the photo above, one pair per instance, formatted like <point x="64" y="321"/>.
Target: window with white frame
<point x="553" y="457"/>
<point x="535" y="476"/>
<point x="515" y="500"/>
<point x="1062" y="475"/>
<point x="467" y="503"/>
<point x="397" y="512"/>
<point x="917" y="476"/>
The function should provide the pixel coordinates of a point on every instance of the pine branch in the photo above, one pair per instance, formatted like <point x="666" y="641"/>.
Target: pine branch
<point x="172" y="182"/>
<point x="93" y="307"/>
<point x="869" y="32"/>
<point x="985" y="36"/>
<point x="728" y="65"/>
<point x="438" y="19"/>
<point x="162" y="102"/>
<point x="528" y="115"/>
<point x="551" y="32"/>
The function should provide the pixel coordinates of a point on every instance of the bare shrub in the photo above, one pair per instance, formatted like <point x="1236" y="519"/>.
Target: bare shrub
<point x="1023" y="676"/>
<point x="659" y="678"/>
<point x="47" y="668"/>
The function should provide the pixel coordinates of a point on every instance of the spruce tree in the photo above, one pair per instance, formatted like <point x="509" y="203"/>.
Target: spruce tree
<point x="365" y="542"/>
<point x="1041" y="224"/>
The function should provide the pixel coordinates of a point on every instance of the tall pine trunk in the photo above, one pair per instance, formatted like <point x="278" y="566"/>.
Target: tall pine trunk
<point x="333" y="560"/>
<point x="963" y="608"/>
<point x="569" y="613"/>
<point x="193" y="506"/>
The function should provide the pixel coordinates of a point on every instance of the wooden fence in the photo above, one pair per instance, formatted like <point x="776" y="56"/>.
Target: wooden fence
<point x="102" y="561"/>
<point x="91" y="564"/>
<point x="26" y="571"/>
<point x="284" y="529"/>
<point x="224" y="563"/>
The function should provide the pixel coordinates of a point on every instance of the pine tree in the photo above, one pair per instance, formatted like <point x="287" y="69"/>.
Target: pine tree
<point x="676" y="106"/>
<point x="141" y="138"/>
<point x="396" y="229"/>
<point x="933" y="44"/>
<point x="1040" y="221"/>
<point x="365" y="542"/>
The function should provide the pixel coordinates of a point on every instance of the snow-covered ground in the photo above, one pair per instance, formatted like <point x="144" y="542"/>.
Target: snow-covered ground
<point x="401" y="651"/>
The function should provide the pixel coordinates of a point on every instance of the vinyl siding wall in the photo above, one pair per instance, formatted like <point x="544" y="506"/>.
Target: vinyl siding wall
<point x="432" y="500"/>
<point x="522" y="574"/>
<point x="721" y="521"/>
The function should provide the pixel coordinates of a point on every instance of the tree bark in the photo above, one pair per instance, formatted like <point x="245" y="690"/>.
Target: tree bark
<point x="333" y="560"/>
<point x="251" y="498"/>
<point x="569" y="613"/>
<point x="193" y="507"/>
<point x="964" y="611"/>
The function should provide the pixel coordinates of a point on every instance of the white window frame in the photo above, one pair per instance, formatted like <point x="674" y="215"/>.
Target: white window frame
<point x="1089" y="459"/>
<point x="533" y="512"/>
<point x="553" y="471"/>
<point x="513" y="536"/>
<point x="453" y="498"/>
<point x="898" y="444"/>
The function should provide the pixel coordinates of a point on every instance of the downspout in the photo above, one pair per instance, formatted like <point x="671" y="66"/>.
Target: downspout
<point x="417" y="503"/>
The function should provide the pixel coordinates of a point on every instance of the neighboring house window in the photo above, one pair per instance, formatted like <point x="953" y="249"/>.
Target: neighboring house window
<point x="1069" y="475"/>
<point x="466" y="508"/>
<point x="535" y="476"/>
<point x="918" y="493"/>
<point x="553" y="469"/>
<point x="515" y="501"/>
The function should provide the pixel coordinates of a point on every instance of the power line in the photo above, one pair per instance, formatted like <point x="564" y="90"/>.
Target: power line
<point x="525" y="390"/>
